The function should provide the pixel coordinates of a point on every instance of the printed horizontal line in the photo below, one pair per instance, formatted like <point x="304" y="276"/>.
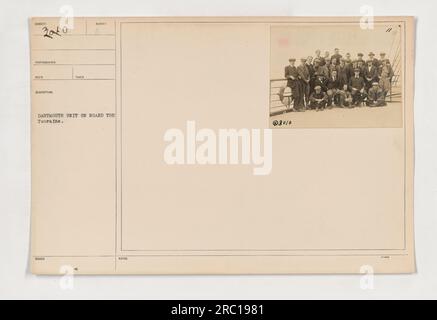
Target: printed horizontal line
<point x="71" y="79"/>
<point x="74" y="64"/>
<point x="73" y="49"/>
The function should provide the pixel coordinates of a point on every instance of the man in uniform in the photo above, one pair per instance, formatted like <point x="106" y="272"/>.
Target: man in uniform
<point x="375" y="96"/>
<point x="292" y="77"/>
<point x="304" y="76"/>
<point x="318" y="99"/>
<point x="356" y="84"/>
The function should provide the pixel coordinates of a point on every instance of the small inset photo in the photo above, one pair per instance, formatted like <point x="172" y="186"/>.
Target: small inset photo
<point x="336" y="75"/>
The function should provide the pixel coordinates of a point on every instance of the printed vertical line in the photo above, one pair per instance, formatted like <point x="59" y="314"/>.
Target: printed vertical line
<point x="116" y="149"/>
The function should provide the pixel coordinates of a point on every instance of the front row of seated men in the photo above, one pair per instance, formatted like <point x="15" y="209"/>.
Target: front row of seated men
<point x="319" y="100"/>
<point x="326" y="94"/>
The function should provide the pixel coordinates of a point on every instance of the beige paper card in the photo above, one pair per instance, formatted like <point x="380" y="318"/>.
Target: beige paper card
<point x="199" y="146"/>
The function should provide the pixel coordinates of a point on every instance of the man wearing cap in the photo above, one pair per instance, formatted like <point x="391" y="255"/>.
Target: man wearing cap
<point x="304" y="76"/>
<point x="385" y="76"/>
<point x="337" y="56"/>
<point x="370" y="74"/>
<point x="356" y="84"/>
<point x="292" y="77"/>
<point x="318" y="99"/>
<point x="375" y="96"/>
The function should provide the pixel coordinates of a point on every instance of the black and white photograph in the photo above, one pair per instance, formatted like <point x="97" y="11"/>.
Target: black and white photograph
<point x="336" y="75"/>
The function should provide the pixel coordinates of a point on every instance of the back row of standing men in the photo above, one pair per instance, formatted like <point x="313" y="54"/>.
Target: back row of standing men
<point x="336" y="76"/>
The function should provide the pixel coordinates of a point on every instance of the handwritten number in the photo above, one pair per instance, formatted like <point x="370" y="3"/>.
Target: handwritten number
<point x="49" y="33"/>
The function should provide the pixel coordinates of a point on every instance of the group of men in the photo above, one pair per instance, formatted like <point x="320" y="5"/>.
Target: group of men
<point x="323" y="82"/>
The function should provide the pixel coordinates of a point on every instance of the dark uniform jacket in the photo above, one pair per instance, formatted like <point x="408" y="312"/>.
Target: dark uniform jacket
<point x="343" y="75"/>
<point x="303" y="72"/>
<point x="311" y="70"/>
<point x="371" y="73"/>
<point x="291" y="74"/>
<point x="333" y="83"/>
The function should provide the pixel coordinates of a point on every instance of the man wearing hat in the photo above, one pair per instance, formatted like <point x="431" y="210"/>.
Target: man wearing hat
<point x="356" y="83"/>
<point x="381" y="58"/>
<point x="360" y="57"/>
<point x="375" y="96"/>
<point x="304" y="77"/>
<point x="370" y="74"/>
<point x="292" y="77"/>
<point x="337" y="56"/>
<point x="318" y="99"/>
<point x="374" y="60"/>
